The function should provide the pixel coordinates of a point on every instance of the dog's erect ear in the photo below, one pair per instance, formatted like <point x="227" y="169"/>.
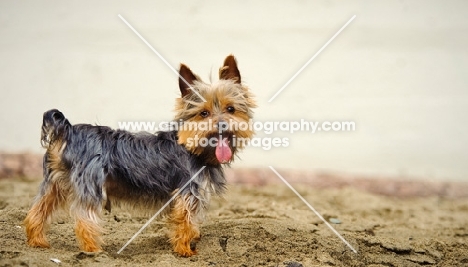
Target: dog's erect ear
<point x="229" y="70"/>
<point x="186" y="74"/>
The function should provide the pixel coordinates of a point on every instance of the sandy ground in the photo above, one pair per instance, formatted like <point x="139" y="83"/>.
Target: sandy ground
<point x="262" y="226"/>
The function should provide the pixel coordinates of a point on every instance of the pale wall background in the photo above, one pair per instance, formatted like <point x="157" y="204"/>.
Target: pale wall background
<point x="399" y="70"/>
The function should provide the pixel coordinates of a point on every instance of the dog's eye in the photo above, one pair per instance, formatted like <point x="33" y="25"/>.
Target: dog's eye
<point x="204" y="113"/>
<point x="230" y="109"/>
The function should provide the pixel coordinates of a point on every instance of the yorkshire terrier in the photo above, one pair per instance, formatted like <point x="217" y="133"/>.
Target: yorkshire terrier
<point x="89" y="168"/>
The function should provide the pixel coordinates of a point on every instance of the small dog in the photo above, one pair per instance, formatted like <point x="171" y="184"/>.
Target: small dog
<point x="89" y="168"/>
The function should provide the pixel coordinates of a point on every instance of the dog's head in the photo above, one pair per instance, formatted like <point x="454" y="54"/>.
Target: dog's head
<point x="214" y="120"/>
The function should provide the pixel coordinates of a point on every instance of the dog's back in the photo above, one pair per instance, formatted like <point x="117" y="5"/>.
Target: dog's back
<point x="103" y="164"/>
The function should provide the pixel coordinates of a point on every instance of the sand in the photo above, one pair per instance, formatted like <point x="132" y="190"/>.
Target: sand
<point x="263" y="225"/>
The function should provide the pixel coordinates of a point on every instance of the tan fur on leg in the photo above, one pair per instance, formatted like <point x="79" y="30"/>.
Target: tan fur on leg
<point x="87" y="229"/>
<point x="185" y="230"/>
<point x="38" y="219"/>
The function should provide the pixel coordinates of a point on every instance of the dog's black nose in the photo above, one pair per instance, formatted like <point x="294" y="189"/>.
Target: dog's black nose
<point x="222" y="126"/>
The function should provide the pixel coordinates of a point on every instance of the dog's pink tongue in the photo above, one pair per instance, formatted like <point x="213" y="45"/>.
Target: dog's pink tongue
<point x="223" y="151"/>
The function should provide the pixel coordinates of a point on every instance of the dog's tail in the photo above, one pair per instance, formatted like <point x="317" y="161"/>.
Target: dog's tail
<point x="54" y="127"/>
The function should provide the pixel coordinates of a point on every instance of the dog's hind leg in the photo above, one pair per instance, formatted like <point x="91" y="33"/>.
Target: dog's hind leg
<point x="52" y="195"/>
<point x="184" y="217"/>
<point x="87" y="229"/>
<point x="39" y="216"/>
<point x="86" y="208"/>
